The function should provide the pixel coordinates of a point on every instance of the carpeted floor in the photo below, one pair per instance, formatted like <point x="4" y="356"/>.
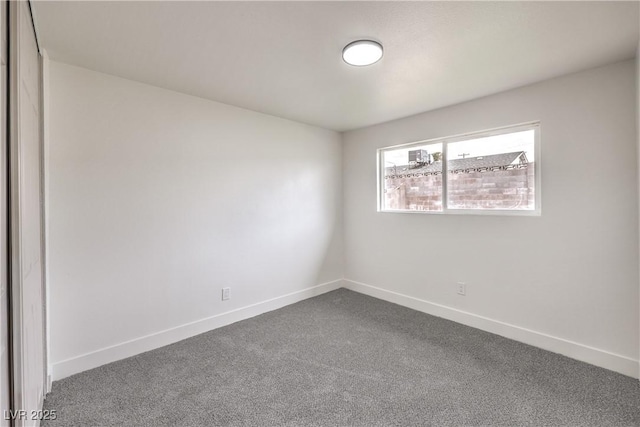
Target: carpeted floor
<point x="346" y="359"/>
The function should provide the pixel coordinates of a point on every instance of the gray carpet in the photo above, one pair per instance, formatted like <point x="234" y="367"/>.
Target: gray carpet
<point x="346" y="359"/>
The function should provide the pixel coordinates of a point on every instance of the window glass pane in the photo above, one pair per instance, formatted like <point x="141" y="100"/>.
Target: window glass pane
<point x="413" y="178"/>
<point x="494" y="172"/>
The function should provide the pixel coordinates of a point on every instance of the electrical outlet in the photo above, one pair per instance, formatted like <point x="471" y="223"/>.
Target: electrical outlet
<point x="225" y="293"/>
<point x="462" y="288"/>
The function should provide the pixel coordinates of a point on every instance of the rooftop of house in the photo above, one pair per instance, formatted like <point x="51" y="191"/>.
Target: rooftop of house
<point x="478" y="162"/>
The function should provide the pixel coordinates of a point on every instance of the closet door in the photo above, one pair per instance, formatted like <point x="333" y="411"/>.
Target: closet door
<point x="25" y="154"/>
<point x="4" y="257"/>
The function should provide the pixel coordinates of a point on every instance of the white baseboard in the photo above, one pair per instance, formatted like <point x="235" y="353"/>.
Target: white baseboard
<point x="130" y="348"/>
<point x="615" y="362"/>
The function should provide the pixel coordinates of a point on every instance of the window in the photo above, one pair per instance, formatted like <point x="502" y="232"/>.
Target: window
<point x="494" y="171"/>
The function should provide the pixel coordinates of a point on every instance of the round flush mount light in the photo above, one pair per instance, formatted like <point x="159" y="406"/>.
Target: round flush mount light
<point x="362" y="52"/>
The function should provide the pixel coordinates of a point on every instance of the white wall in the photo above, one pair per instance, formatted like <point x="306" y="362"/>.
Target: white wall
<point x="157" y="200"/>
<point x="567" y="280"/>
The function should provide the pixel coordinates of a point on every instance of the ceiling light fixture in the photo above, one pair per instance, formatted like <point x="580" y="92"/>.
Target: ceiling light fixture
<point x="362" y="52"/>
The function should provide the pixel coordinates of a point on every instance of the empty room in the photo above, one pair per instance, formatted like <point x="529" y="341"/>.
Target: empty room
<point x="318" y="213"/>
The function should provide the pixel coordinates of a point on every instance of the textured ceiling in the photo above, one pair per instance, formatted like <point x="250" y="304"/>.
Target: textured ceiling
<point x="284" y="58"/>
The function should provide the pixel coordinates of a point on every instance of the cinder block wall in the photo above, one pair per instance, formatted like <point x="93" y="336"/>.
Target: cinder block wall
<point x="512" y="188"/>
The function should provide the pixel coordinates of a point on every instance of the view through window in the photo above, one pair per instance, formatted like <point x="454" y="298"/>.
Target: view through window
<point x="488" y="171"/>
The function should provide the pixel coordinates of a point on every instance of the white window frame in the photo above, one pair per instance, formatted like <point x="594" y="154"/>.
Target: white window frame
<point x="535" y="126"/>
